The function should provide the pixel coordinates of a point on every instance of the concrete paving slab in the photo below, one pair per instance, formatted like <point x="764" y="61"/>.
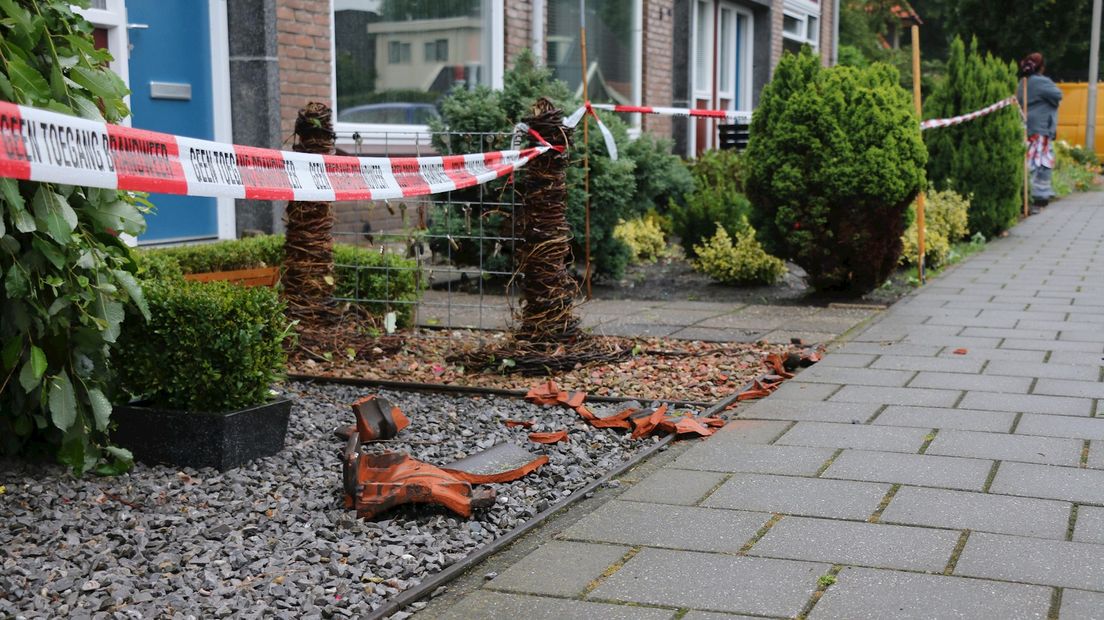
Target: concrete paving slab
<point x="936" y="364"/>
<point x="983" y="512"/>
<point x="786" y="460"/>
<point x="1027" y="403"/>
<point x="990" y="353"/>
<point x="856" y="436"/>
<point x="559" y="568"/>
<point x="1004" y="447"/>
<point x="818" y="411"/>
<point x="1096" y="455"/>
<point x="857" y="376"/>
<point x="785" y="335"/>
<point x="487" y="605"/>
<point x="1090" y="360"/>
<point x="1090" y="525"/>
<point x="862" y="544"/>
<point x="714" y="582"/>
<point x="866" y="593"/>
<point x="915" y="469"/>
<point x="996" y="332"/>
<point x="1047" y="370"/>
<point x="981" y="383"/>
<point x="837" y="359"/>
<point x="1050" y="482"/>
<point x="1061" y="426"/>
<point x="663" y="525"/>
<point x="942" y="418"/>
<point x="1081" y="605"/>
<point x="1051" y="345"/>
<point x="674" y="486"/>
<point x="813" y="497"/>
<point x="878" y="348"/>
<point x="617" y="328"/>
<point x="712" y="615"/>
<point x="956" y="342"/>
<point x="796" y="390"/>
<point x="1063" y="387"/>
<point x="749" y="431"/>
<point x="715" y="334"/>
<point x="920" y="397"/>
<point x="1033" y="560"/>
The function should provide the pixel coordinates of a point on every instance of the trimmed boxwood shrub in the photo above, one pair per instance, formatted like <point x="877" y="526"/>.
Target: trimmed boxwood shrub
<point x="982" y="159"/>
<point x="359" y="273"/>
<point x="834" y="160"/>
<point x="211" y="346"/>
<point x="945" y="223"/>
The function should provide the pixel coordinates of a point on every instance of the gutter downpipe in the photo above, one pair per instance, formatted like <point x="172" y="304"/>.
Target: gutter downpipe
<point x="835" y="33"/>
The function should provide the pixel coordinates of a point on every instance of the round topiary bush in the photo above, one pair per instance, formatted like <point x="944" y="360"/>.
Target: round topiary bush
<point x="834" y="160"/>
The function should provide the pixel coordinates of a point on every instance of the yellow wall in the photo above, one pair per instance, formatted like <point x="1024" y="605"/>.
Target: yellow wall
<point x="1071" y="114"/>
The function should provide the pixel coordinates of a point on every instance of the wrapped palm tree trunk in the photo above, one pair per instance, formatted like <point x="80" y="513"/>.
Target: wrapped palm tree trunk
<point x="544" y="255"/>
<point x="308" y="276"/>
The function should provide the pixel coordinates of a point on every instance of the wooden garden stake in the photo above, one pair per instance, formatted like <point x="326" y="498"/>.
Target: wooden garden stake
<point x="586" y="150"/>
<point x="919" y="114"/>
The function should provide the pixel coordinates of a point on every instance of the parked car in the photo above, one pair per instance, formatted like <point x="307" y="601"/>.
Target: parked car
<point x="394" y="113"/>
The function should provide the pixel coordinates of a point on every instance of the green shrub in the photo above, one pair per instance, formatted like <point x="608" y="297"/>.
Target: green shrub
<point x="717" y="198"/>
<point x="743" y="262"/>
<point x="1075" y="168"/>
<point x="945" y="223"/>
<point x="231" y="255"/>
<point x="644" y="238"/>
<point x="66" y="275"/>
<point x="983" y="158"/>
<point x="619" y="190"/>
<point x="834" y="160"/>
<point x="359" y="273"/>
<point x="209" y="346"/>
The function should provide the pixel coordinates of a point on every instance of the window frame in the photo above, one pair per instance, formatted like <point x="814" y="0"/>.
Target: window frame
<point x="396" y="135"/>
<point x="803" y="11"/>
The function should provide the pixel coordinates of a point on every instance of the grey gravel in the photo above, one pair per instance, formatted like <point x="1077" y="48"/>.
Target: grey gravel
<point x="273" y="538"/>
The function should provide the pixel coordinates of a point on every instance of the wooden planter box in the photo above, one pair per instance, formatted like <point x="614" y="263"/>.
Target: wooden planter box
<point x="261" y="276"/>
<point x="189" y="439"/>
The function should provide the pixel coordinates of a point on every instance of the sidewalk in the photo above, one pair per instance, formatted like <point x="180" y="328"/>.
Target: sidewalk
<point x="947" y="462"/>
<point x="686" y="320"/>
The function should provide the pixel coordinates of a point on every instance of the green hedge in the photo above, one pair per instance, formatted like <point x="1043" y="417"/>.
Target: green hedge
<point x="206" y="347"/>
<point x="360" y="273"/>
<point x="717" y="199"/>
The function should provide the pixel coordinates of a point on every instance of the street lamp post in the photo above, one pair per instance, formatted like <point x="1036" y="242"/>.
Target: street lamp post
<point x="1094" y="58"/>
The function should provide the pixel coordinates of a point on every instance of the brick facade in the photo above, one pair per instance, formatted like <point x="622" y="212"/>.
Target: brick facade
<point x="518" y="26"/>
<point x="658" y="44"/>
<point x="303" y="46"/>
<point x="827" y="32"/>
<point x="775" y="33"/>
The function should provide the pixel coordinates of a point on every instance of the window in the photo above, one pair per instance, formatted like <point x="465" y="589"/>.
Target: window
<point x="398" y="53"/>
<point x="436" y="51"/>
<point x="613" y="40"/>
<point x="800" y="25"/>
<point x="395" y="59"/>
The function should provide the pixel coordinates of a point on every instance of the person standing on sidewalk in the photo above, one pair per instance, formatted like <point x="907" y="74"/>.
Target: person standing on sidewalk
<point x="1043" y="97"/>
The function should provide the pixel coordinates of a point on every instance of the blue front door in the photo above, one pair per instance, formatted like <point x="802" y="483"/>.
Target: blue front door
<point x="170" y="82"/>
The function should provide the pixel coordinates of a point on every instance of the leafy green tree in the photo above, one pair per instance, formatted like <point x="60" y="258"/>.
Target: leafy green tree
<point x="982" y="159"/>
<point x="834" y="160"/>
<point x="65" y="273"/>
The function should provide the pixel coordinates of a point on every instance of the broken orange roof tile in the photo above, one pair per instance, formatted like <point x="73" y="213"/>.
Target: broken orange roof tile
<point x="549" y="437"/>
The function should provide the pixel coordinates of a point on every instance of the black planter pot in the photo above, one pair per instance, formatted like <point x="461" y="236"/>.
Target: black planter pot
<point x="188" y="439"/>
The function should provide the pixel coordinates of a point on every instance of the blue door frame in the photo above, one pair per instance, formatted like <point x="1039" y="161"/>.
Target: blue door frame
<point x="170" y="82"/>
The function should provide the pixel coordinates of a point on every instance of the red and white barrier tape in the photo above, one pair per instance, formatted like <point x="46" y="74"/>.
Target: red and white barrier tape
<point x="39" y="145"/>
<point x="955" y="120"/>
<point x="735" y="115"/>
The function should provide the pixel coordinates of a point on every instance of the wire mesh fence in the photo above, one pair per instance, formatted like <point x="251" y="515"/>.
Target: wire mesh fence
<point x="458" y="246"/>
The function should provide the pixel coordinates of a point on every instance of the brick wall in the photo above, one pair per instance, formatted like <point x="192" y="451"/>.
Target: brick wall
<point x="827" y="28"/>
<point x="518" y="26"/>
<point x="303" y="46"/>
<point x="776" y="33"/>
<point x="658" y="63"/>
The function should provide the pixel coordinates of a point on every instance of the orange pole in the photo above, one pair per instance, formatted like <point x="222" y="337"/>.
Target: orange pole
<point x="586" y="151"/>
<point x="919" y="114"/>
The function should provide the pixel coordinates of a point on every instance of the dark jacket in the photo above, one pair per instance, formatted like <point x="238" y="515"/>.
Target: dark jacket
<point x="1043" y="97"/>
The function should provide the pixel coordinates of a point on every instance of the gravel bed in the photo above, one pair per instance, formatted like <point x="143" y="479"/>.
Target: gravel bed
<point x="272" y="539"/>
